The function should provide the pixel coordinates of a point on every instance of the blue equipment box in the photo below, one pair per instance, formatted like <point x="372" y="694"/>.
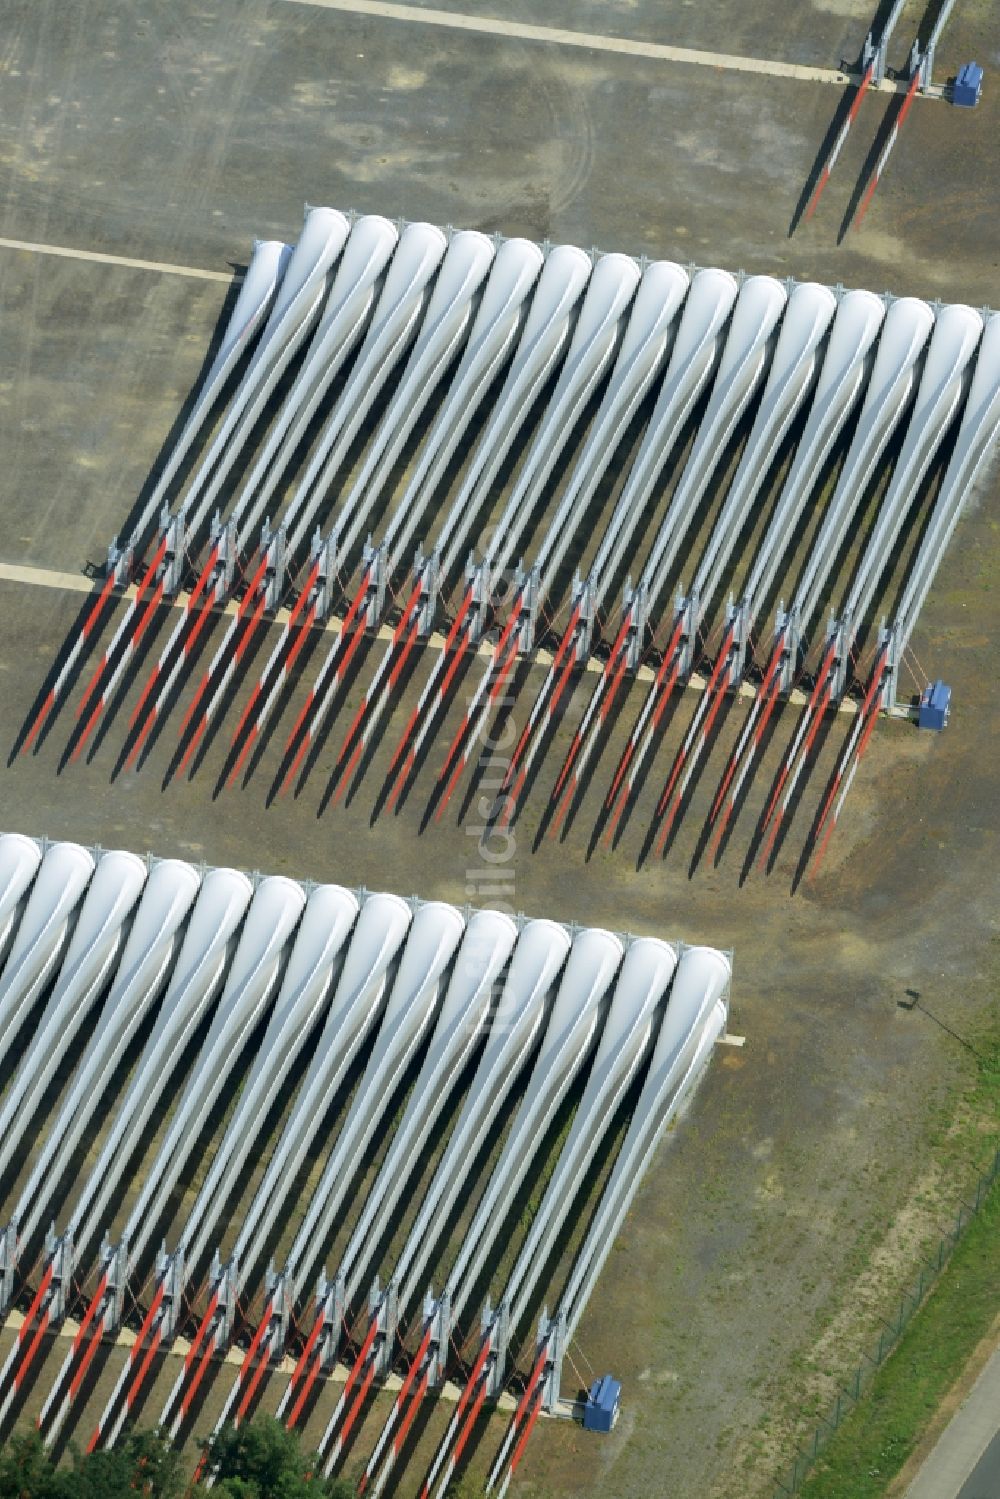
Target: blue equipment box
<point x="968" y="86"/>
<point x="935" y="705"/>
<point x="601" y="1410"/>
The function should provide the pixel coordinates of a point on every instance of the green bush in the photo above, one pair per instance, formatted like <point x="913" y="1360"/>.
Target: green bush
<point x="143" y="1464"/>
<point x="258" y="1461"/>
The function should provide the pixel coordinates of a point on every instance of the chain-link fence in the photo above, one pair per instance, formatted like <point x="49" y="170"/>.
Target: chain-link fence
<point x="851" y="1392"/>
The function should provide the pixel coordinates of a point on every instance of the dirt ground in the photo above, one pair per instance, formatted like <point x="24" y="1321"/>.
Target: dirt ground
<point x="792" y="1201"/>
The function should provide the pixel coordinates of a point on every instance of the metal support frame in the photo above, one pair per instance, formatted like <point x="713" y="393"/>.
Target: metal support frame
<point x="383" y="1305"/>
<point x="917" y="59"/>
<point x="120" y="561"/>
<point x="60" y="1251"/>
<point x="478" y="575"/>
<point x="688" y="606"/>
<point x="738" y="616"/>
<point x="926" y="64"/>
<point x="889" y="642"/>
<point x="527" y="621"/>
<point x="427" y="573"/>
<point x="582" y="602"/>
<point x="927" y="61"/>
<point x="163" y="1314"/>
<point x="335" y="1311"/>
<point x="224" y="1279"/>
<point x="879" y="49"/>
<point x="838" y="631"/>
<point x="273" y="544"/>
<point x="170" y="1271"/>
<point x="324" y="551"/>
<point x="258" y="383"/>
<point x="636" y="606"/>
<point x="788" y="624"/>
<point x="437" y="1310"/>
<point x="375" y="564"/>
<point x="172" y="573"/>
<point x="222" y="538"/>
<point x="331" y="1307"/>
<point x="282" y="1298"/>
<point x="552" y="1331"/>
<point x="495" y="1324"/>
<point x="8" y="1264"/>
<point x="114" y="1264"/>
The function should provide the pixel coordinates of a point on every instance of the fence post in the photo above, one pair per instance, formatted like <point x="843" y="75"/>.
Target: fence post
<point x="909" y="1302"/>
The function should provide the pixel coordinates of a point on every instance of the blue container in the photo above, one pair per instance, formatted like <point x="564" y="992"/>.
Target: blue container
<point x="935" y="705"/>
<point x="601" y="1410"/>
<point x="968" y="86"/>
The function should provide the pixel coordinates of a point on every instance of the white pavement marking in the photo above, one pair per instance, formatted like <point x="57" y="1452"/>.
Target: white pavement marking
<point x="162" y="268"/>
<point x="522" y="31"/>
<point x="45" y="577"/>
<point x="180" y="1347"/>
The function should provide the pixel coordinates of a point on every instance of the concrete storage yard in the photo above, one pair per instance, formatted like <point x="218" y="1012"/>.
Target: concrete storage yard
<point x="791" y="1203"/>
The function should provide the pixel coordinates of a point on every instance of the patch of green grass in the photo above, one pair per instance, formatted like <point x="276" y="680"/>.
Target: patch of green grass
<point x="873" y="1442"/>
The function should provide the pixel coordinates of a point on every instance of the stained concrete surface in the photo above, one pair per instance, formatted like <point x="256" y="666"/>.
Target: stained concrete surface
<point x="819" y="33"/>
<point x="798" y="1147"/>
<point x="178" y="134"/>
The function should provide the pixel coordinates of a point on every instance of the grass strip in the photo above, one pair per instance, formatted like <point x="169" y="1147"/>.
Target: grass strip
<point x="875" y="1439"/>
